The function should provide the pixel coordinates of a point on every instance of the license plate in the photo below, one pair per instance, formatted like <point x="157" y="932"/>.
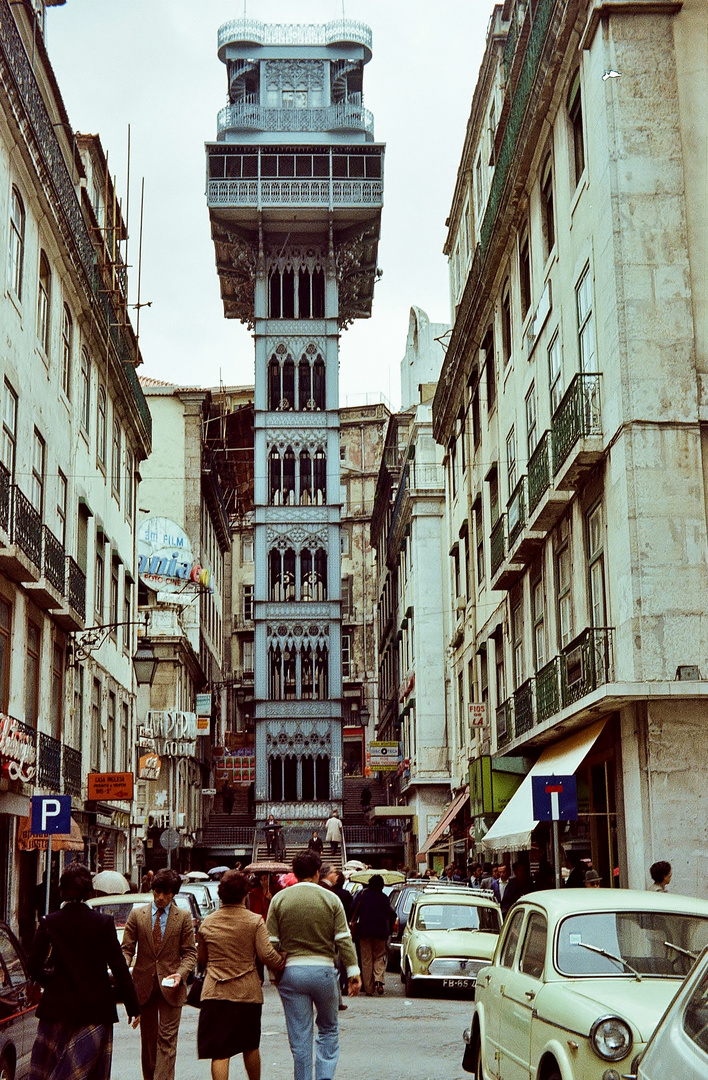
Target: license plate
<point x="452" y="984"/>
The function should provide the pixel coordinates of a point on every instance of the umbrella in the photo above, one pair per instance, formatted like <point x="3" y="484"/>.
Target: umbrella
<point x="217" y="871"/>
<point x="354" y="864"/>
<point x="390" y="877"/>
<point x="110" y="882"/>
<point x="196" y="875"/>
<point x="267" y="867"/>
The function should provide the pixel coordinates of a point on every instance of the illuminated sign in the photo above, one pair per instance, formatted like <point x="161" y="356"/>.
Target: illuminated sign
<point x="165" y="560"/>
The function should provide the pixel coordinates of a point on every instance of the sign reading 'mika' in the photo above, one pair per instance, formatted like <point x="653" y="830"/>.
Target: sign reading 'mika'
<point x="165" y="560"/>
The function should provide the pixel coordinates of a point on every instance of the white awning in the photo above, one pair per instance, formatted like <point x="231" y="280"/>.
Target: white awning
<point x="512" y="829"/>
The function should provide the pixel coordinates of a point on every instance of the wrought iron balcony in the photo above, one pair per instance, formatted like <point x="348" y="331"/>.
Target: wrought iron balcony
<point x="523" y="708"/>
<point x="26" y="527"/>
<point x="243" y="116"/>
<point x="505" y="721"/>
<point x="548" y="693"/>
<point x="76" y="587"/>
<point x="49" y="762"/>
<point x="577" y="416"/>
<point x="539" y="475"/>
<point x="496" y="545"/>
<point x="5" y="497"/>
<point x="587" y="662"/>
<point x="54" y="560"/>
<point x="242" y="31"/>
<point x="71" y="770"/>
<point x="321" y="193"/>
<point x="516" y="512"/>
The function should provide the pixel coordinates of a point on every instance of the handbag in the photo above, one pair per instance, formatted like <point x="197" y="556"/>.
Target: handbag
<point x="194" y="994"/>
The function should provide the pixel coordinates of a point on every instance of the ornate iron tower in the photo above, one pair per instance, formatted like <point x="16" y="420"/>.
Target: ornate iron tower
<point x="295" y="190"/>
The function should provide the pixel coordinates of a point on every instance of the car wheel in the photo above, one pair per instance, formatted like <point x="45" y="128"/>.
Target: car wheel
<point x="479" y="1071"/>
<point x="411" y="988"/>
<point x="7" y="1071"/>
<point x="555" y="1075"/>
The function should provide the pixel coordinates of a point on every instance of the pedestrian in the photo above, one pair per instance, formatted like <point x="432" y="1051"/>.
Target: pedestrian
<point x="365" y="799"/>
<point x="576" y="877"/>
<point x="260" y="895"/>
<point x="279" y="847"/>
<point x="333" y="833"/>
<point x="308" y="924"/>
<point x="491" y="873"/>
<point x="132" y="887"/>
<point x="329" y="879"/>
<point x="506" y="889"/>
<point x="228" y="797"/>
<point x="231" y="941"/>
<point x="163" y="936"/>
<point x="373" y="918"/>
<point x="71" y="954"/>
<point x="660" y="876"/>
<point x="146" y="881"/>
<point x="592" y="879"/>
<point x="270" y="826"/>
<point x="315" y="842"/>
<point x="477" y="876"/>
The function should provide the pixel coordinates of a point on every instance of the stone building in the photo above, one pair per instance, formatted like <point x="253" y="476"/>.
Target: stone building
<point x="571" y="406"/>
<point x="75" y="427"/>
<point x="294" y="190"/>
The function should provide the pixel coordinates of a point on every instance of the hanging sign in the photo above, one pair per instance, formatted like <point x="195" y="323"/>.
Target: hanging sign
<point x="165" y="560"/>
<point x="149" y="766"/>
<point x="108" y="786"/>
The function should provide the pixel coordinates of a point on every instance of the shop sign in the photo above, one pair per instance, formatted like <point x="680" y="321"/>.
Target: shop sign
<point x="109" y="786"/>
<point x="165" y="560"/>
<point x="175" y="732"/>
<point x="203" y="705"/>
<point x="146" y="738"/>
<point x="18" y="749"/>
<point x="478" y="713"/>
<point x="120" y="820"/>
<point x="149" y="767"/>
<point x="383" y="756"/>
<point x="493" y="781"/>
<point x="203" y="725"/>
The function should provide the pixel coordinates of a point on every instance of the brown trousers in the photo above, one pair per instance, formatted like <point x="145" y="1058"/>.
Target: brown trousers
<point x="159" y="1028"/>
<point x="373" y="962"/>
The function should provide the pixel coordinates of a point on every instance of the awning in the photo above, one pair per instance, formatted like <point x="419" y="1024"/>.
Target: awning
<point x="512" y="829"/>
<point x="28" y="841"/>
<point x="449" y="815"/>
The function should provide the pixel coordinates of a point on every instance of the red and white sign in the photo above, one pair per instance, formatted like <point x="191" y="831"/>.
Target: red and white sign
<point x="18" y="749"/>
<point x="478" y="713"/>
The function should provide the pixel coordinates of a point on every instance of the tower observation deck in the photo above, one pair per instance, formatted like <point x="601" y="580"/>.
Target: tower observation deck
<point x="295" y="191"/>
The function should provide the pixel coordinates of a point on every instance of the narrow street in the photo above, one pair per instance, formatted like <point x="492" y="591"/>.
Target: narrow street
<point x="393" y="1036"/>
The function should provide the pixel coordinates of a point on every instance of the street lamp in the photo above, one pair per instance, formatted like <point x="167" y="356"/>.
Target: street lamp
<point x="364" y="715"/>
<point x="145" y="663"/>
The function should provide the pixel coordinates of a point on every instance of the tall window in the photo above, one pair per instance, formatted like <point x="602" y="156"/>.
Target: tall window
<point x="111" y="732"/>
<point x="62" y="503"/>
<point x="538" y="613"/>
<point x="9" y="428"/>
<point x="476" y="425"/>
<point x="248" y="602"/>
<point x="85" y="390"/>
<point x="586" y="321"/>
<point x="101" y="429"/>
<point x="499" y="665"/>
<point x="44" y="294"/>
<point x="525" y="274"/>
<point x="16" y="248"/>
<point x="491" y="372"/>
<point x="531" y="424"/>
<point x="37" y="479"/>
<point x="247" y="656"/>
<point x="67" y="339"/>
<point x="32" y="656"/>
<point x="113" y="612"/>
<point x="506" y="323"/>
<point x="57" y="689"/>
<point x="493" y="481"/>
<point x="548" y="218"/>
<point x="479" y="534"/>
<point x="126" y="614"/>
<point x="596" y="566"/>
<point x="575" y="117"/>
<point x="115" y="458"/>
<point x="511" y="461"/>
<point x="123" y="763"/>
<point x="95" y="763"/>
<point x="98" y="584"/>
<point x="517" y="632"/>
<point x="346" y="656"/>
<point x="555" y="381"/>
<point x="129" y="483"/>
<point x="5" y="650"/>
<point x="563" y="585"/>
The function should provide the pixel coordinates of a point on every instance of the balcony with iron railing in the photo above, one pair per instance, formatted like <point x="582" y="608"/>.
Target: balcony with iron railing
<point x="548" y="693"/>
<point x="504" y="721"/>
<point x="26" y="527"/>
<point x="241" y="32"/>
<point x="71" y="770"/>
<point x="524" y="708"/>
<point x="48" y="761"/>
<point x="5" y="498"/>
<point x="576" y="431"/>
<point x="497" y="548"/>
<point x="587" y="663"/>
<point x="323" y="193"/>
<point x="245" y="117"/>
<point x="54" y="560"/>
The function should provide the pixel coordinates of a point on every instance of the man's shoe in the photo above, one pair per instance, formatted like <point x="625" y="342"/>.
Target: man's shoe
<point x="379" y="988"/>
<point x="342" y="1007"/>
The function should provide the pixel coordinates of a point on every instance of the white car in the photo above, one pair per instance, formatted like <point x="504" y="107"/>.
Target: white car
<point x="679" y="1046"/>
<point x="202" y="894"/>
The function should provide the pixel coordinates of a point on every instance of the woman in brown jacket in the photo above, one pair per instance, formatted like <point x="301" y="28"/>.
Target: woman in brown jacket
<point x="229" y="941"/>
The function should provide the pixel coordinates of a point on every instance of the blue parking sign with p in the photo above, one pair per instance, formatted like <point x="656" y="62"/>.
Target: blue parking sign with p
<point x="50" y="814"/>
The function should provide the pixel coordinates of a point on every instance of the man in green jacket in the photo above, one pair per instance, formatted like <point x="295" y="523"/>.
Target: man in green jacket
<point x="308" y="924"/>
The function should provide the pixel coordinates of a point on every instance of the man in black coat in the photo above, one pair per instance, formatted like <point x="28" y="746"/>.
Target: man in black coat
<point x="373" y="917"/>
<point x="71" y="954"/>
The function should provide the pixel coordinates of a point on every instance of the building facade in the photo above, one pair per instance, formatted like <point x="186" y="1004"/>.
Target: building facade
<point x="571" y="407"/>
<point x="75" y="429"/>
<point x="294" y="189"/>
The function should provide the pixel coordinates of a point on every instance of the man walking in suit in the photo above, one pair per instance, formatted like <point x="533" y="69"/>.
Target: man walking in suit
<point x="166" y="953"/>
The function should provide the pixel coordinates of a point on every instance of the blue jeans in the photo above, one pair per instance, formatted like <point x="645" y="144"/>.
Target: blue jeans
<point x="301" y="988"/>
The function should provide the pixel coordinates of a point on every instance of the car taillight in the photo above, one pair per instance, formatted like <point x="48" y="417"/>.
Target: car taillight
<point x="396" y="927"/>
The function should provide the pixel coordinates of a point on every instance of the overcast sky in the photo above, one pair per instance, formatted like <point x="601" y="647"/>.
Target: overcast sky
<point x="153" y="64"/>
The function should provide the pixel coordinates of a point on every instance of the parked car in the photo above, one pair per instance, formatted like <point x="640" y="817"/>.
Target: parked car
<point x="120" y="906"/>
<point x="579" y="981"/>
<point x="679" y="1046"/>
<point x="202" y="894"/>
<point x="401" y="899"/>
<point x="451" y="933"/>
<point x="18" y="1022"/>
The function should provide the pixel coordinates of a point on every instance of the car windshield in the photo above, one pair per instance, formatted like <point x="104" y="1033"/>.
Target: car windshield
<point x="695" y="1018"/>
<point x="650" y="942"/>
<point x="456" y="917"/>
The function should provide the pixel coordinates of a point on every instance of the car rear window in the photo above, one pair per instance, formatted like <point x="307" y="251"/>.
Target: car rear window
<point x="456" y="917"/>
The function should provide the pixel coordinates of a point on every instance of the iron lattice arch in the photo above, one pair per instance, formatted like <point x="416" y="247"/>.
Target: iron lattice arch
<point x="298" y="386"/>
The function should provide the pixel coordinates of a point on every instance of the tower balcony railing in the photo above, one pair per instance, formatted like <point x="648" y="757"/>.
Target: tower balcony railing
<point x="320" y="193"/>
<point x="259" y="33"/>
<point x="243" y="116"/>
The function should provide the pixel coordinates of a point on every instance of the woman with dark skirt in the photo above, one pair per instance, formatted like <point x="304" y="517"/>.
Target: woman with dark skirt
<point x="72" y="952"/>
<point x="229" y="942"/>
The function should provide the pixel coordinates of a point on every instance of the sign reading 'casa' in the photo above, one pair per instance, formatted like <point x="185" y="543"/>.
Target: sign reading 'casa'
<point x="109" y="786"/>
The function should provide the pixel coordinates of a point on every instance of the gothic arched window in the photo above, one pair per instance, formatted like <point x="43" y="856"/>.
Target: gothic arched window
<point x="321" y="673"/>
<point x="319" y="481"/>
<point x="305" y="478"/>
